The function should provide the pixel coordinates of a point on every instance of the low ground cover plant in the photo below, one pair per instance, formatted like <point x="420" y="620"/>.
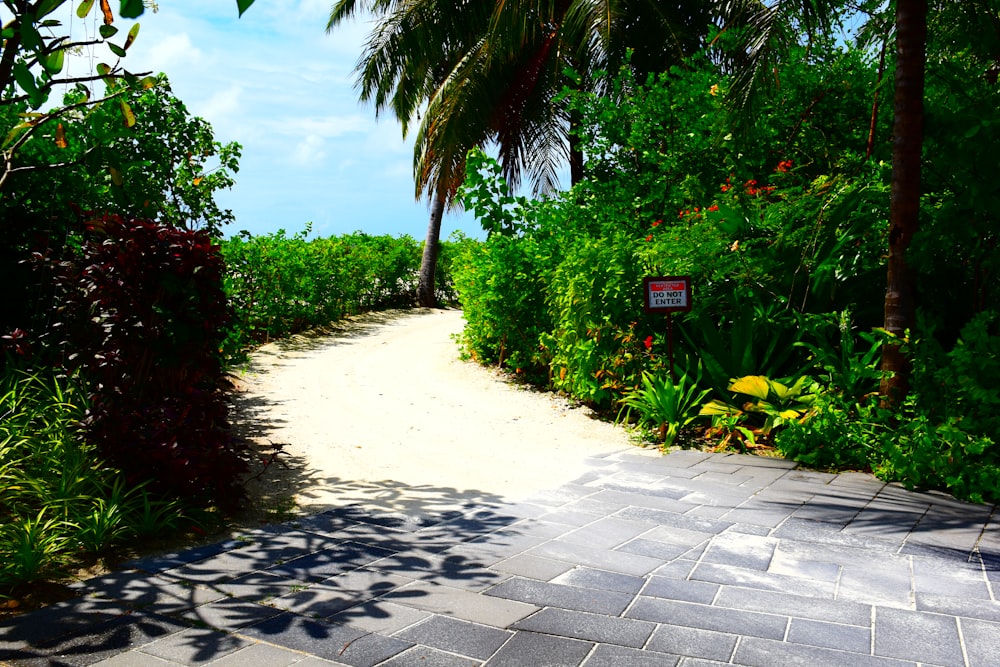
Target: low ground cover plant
<point x="61" y="506"/>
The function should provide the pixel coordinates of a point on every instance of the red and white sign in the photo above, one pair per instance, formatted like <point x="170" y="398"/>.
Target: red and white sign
<point x="667" y="294"/>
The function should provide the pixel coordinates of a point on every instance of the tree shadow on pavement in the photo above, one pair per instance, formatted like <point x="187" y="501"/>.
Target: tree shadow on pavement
<point x="324" y="584"/>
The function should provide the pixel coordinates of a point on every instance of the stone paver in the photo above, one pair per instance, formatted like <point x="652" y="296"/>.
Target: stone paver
<point x="691" y="559"/>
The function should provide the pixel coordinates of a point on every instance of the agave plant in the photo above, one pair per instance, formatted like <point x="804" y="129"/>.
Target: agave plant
<point x="663" y="404"/>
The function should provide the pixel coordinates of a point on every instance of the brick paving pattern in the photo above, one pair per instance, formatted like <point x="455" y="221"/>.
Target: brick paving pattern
<point x="691" y="559"/>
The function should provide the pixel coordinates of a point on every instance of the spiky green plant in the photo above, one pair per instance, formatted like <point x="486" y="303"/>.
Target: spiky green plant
<point x="664" y="405"/>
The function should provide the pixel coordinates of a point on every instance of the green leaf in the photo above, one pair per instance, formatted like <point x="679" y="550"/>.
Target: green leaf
<point x="243" y="5"/>
<point x="53" y="62"/>
<point x="107" y="31"/>
<point x="46" y="7"/>
<point x="30" y="38"/>
<point x="117" y="50"/>
<point x="25" y="79"/>
<point x="84" y="8"/>
<point x="131" y="9"/>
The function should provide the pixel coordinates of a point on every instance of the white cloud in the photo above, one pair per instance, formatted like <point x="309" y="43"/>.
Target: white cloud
<point x="172" y="52"/>
<point x="310" y="151"/>
<point x="221" y="105"/>
<point x="329" y="126"/>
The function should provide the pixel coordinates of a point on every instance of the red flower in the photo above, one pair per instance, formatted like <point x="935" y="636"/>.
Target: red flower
<point x="648" y="342"/>
<point x="713" y="207"/>
<point x="657" y="223"/>
<point x="649" y="238"/>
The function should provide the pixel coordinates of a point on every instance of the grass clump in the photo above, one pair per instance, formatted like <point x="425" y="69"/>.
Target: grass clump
<point x="61" y="508"/>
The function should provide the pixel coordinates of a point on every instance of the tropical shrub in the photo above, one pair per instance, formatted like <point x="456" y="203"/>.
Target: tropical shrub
<point x="500" y="285"/>
<point x="841" y="433"/>
<point x="781" y="224"/>
<point x="280" y="285"/>
<point x="843" y="360"/>
<point x="771" y="403"/>
<point x="142" y="316"/>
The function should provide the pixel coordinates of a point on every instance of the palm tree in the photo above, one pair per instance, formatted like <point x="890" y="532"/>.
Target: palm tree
<point x="406" y="58"/>
<point x="492" y="72"/>
<point x="904" y="203"/>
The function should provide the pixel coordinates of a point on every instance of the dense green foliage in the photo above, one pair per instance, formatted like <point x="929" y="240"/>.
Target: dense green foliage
<point x="782" y="230"/>
<point x="59" y="503"/>
<point x="167" y="166"/>
<point x="280" y="285"/>
<point x="80" y="368"/>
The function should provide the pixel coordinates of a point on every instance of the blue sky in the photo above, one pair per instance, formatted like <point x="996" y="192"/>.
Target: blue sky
<point x="277" y="83"/>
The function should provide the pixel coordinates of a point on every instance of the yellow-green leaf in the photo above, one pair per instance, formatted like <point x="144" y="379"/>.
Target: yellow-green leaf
<point x="751" y="385"/>
<point x="132" y="33"/>
<point x="127" y="114"/>
<point x="16" y="132"/>
<point x="84" y="8"/>
<point x="716" y="407"/>
<point x="105" y="71"/>
<point x="53" y="62"/>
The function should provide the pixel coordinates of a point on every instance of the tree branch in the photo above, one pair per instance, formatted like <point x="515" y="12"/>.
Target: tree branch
<point x="8" y="154"/>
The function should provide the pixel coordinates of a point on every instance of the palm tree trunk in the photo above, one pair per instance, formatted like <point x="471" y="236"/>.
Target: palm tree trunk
<point x="428" y="263"/>
<point x="904" y="206"/>
<point x="575" y="153"/>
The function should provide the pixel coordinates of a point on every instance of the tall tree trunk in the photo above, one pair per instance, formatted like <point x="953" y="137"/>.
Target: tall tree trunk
<point x="428" y="264"/>
<point x="904" y="206"/>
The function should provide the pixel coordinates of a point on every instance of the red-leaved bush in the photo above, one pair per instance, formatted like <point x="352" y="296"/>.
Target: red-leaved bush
<point x="142" y="314"/>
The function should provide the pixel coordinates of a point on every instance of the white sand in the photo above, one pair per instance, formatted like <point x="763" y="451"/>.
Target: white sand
<point x="384" y="413"/>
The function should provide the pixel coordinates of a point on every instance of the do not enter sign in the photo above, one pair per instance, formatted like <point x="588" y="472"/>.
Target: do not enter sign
<point x="667" y="294"/>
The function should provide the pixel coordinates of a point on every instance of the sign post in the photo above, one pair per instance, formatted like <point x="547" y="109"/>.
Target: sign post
<point x="670" y="294"/>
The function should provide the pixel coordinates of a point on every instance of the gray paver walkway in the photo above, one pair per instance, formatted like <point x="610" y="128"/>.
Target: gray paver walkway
<point x="690" y="559"/>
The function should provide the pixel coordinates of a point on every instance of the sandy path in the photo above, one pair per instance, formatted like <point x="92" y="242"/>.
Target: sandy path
<point x="383" y="413"/>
